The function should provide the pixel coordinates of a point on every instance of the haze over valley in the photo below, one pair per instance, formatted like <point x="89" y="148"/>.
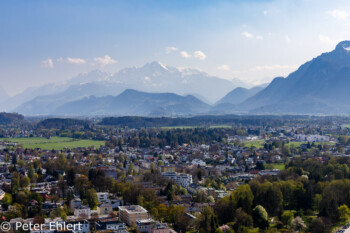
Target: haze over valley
<point x="319" y="86"/>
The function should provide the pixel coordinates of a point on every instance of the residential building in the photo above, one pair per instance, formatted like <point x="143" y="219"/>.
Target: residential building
<point x="160" y="228"/>
<point x="104" y="208"/>
<point x="80" y="226"/>
<point x="82" y="212"/>
<point x="144" y="225"/>
<point x="130" y="214"/>
<point x="102" y="197"/>
<point x="75" y="203"/>
<point x="182" y="179"/>
<point x="2" y="194"/>
<point x="110" y="224"/>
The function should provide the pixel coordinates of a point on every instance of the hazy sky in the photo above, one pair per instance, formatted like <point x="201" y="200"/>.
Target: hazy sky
<point x="51" y="41"/>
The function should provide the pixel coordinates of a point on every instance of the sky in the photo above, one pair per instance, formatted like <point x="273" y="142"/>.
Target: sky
<point x="52" y="41"/>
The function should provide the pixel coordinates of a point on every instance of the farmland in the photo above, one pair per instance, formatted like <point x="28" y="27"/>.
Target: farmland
<point x="56" y="143"/>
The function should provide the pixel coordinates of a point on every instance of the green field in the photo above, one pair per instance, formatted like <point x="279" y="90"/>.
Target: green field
<point x="279" y="166"/>
<point x="192" y="127"/>
<point x="298" y="144"/>
<point x="260" y="143"/>
<point x="56" y="143"/>
<point x="256" y="143"/>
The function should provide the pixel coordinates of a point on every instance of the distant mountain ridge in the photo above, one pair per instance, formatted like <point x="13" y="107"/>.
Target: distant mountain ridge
<point x="227" y="104"/>
<point x="135" y="103"/>
<point x="320" y="86"/>
<point x="238" y="95"/>
<point x="152" y="77"/>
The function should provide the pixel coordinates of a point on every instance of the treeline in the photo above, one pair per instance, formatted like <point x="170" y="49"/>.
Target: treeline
<point x="234" y="120"/>
<point x="9" y="118"/>
<point x="63" y="123"/>
<point x="173" y="137"/>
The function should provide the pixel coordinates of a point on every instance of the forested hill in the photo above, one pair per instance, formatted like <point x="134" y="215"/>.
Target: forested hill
<point x="59" y="123"/>
<point x="8" y="118"/>
<point x="206" y="121"/>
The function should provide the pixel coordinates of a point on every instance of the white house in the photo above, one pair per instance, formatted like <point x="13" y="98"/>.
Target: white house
<point x="102" y="197"/>
<point x="82" y="212"/>
<point x="182" y="179"/>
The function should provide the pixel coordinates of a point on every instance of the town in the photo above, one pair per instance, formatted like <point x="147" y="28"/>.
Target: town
<point x="232" y="178"/>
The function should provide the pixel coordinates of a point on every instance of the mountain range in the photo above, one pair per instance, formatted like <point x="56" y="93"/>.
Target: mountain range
<point x="135" y="103"/>
<point x="320" y="86"/>
<point x="152" y="77"/>
<point x="230" y="100"/>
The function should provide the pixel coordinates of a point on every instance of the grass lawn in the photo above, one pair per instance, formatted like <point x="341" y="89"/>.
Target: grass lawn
<point x="346" y="126"/>
<point x="256" y="143"/>
<point x="295" y="144"/>
<point x="179" y="127"/>
<point x="298" y="144"/>
<point x="192" y="127"/>
<point x="221" y="126"/>
<point x="279" y="166"/>
<point x="56" y="143"/>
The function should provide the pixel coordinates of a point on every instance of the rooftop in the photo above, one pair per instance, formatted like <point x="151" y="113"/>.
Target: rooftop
<point x="133" y="209"/>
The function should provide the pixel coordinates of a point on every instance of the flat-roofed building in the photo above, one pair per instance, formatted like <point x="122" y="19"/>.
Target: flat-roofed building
<point x="109" y="224"/>
<point x="160" y="228"/>
<point x="144" y="225"/>
<point x="182" y="179"/>
<point x="130" y="214"/>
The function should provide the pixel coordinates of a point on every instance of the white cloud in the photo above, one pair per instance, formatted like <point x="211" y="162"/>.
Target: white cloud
<point x="247" y="34"/>
<point x="196" y="54"/>
<point x="275" y="67"/>
<point x="199" y="55"/>
<point x="77" y="61"/>
<point x="224" y="67"/>
<point x="46" y="63"/>
<point x="170" y="49"/>
<point x="265" y="12"/>
<point x="338" y="14"/>
<point x="185" y="54"/>
<point x="259" y="37"/>
<point x="106" y="60"/>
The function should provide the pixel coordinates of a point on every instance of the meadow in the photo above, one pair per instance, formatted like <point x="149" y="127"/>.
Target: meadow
<point x="56" y="143"/>
<point x="260" y="143"/>
<point x="192" y="127"/>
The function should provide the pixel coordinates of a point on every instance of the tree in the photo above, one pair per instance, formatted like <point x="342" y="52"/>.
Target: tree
<point x="242" y="219"/>
<point x="287" y="217"/>
<point x="319" y="225"/>
<point x="210" y="199"/>
<point x="7" y="200"/>
<point x="177" y="216"/>
<point x="131" y="170"/>
<point x="91" y="197"/>
<point x="31" y="173"/>
<point x="298" y="224"/>
<point x="15" y="183"/>
<point x="70" y="177"/>
<point x="208" y="221"/>
<point x="260" y="217"/>
<point x="243" y="198"/>
<point x="344" y="213"/>
<point x="25" y="181"/>
<point x="55" y="198"/>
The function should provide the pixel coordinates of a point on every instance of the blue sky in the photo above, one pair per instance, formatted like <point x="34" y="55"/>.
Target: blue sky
<point x="51" y="41"/>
